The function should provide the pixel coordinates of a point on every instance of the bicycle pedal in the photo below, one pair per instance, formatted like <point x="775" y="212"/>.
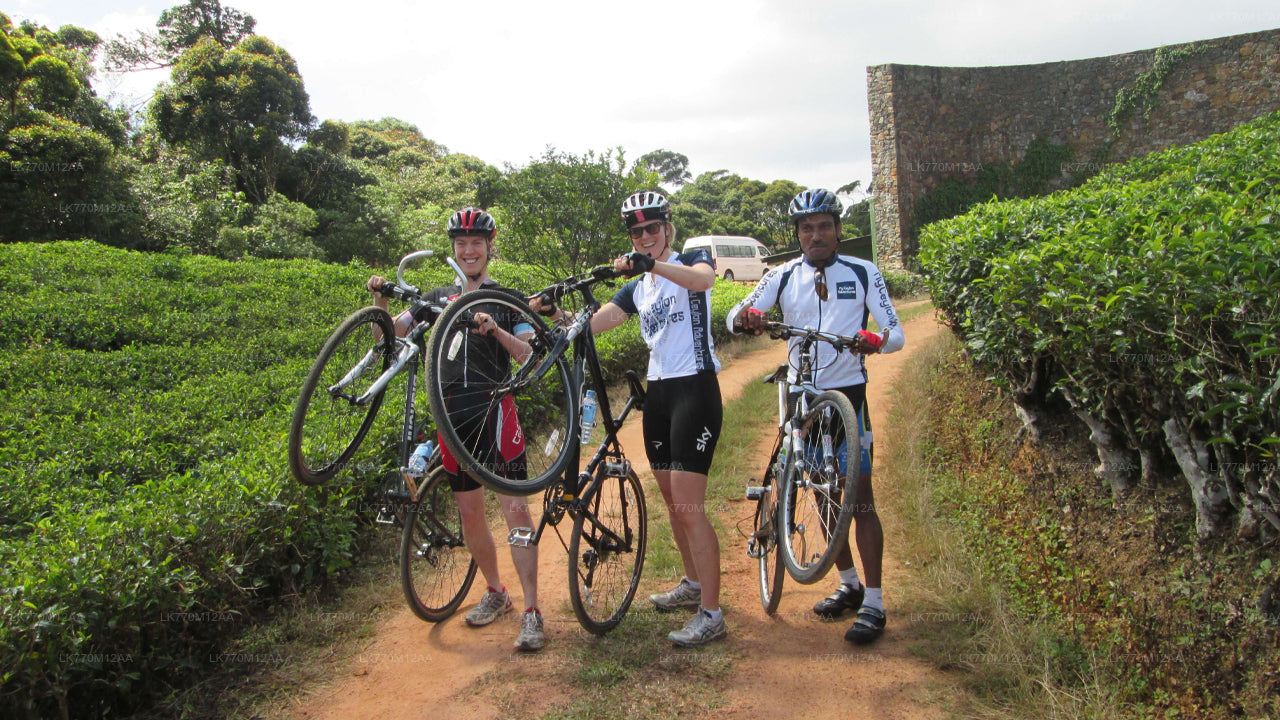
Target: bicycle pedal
<point x="520" y="537"/>
<point x="619" y="469"/>
<point x="755" y="493"/>
<point x="385" y="517"/>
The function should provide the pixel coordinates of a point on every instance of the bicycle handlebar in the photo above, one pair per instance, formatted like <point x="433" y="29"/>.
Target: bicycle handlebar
<point x="574" y="283"/>
<point x="783" y="331"/>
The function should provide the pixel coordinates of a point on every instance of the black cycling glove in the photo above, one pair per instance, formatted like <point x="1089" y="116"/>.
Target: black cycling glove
<point x="640" y="263"/>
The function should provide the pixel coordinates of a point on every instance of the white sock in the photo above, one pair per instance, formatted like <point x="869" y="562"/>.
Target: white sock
<point x="692" y="584"/>
<point x="873" y="598"/>
<point x="715" y="615"/>
<point x="850" y="576"/>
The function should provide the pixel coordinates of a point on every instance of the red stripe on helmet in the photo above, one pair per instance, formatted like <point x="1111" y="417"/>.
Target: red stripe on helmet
<point x="640" y="216"/>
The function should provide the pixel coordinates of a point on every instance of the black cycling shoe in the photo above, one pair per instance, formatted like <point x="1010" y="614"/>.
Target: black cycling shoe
<point x="846" y="597"/>
<point x="868" y="626"/>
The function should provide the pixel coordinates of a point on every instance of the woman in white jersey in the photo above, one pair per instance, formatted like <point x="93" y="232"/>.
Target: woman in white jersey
<point x="682" y="411"/>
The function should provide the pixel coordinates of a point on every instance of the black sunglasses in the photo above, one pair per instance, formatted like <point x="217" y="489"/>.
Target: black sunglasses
<point x="639" y="232"/>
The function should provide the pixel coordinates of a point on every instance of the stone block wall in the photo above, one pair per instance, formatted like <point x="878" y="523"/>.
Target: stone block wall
<point x="930" y="123"/>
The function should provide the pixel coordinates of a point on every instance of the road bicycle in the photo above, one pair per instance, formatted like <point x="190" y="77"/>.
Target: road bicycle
<point x="806" y="499"/>
<point x="340" y="398"/>
<point x="516" y="427"/>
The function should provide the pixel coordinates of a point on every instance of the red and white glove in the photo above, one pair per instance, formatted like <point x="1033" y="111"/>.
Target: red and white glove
<point x="874" y="340"/>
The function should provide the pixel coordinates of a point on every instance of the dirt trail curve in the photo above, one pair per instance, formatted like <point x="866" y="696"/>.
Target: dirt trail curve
<point x="800" y="667"/>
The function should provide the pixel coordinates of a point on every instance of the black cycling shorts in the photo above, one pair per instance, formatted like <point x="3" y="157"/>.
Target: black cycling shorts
<point x="857" y="395"/>
<point x="682" y="418"/>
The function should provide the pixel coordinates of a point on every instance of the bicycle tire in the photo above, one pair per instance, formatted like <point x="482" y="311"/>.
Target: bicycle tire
<point x="472" y="400"/>
<point x="606" y="553"/>
<point x="436" y="568"/>
<point x="813" y="496"/>
<point x="770" y="570"/>
<point x="327" y="427"/>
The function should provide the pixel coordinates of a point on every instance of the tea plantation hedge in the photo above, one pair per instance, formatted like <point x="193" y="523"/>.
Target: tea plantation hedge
<point x="1149" y="298"/>
<point x="143" y="489"/>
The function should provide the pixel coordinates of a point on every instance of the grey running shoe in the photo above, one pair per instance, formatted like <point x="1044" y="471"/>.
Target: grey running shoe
<point x="700" y="630"/>
<point x="682" y="595"/>
<point x="492" y="606"/>
<point x="531" y="638"/>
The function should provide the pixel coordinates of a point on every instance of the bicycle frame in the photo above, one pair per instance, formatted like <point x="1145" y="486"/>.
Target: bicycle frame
<point x="575" y="490"/>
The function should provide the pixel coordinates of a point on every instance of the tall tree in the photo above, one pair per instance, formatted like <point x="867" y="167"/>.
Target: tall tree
<point x="721" y="203"/>
<point x="561" y="211"/>
<point x="672" y="167"/>
<point x="857" y="215"/>
<point x="178" y="29"/>
<point x="60" y="173"/>
<point x="245" y="106"/>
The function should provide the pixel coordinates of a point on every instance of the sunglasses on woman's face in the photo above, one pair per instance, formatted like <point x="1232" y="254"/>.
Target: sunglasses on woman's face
<point x="639" y="232"/>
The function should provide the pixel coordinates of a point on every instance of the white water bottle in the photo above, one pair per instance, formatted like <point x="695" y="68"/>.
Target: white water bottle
<point x="419" y="459"/>
<point x="588" y="416"/>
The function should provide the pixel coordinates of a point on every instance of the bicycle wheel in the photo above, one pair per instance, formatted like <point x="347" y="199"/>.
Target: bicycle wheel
<point x="763" y="544"/>
<point x="436" y="569"/>
<point x="507" y="423"/>
<point x="606" y="553"/>
<point x="328" y="424"/>
<point x="816" y="500"/>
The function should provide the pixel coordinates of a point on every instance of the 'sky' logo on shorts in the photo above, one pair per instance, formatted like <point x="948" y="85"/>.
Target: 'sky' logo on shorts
<point x="702" y="441"/>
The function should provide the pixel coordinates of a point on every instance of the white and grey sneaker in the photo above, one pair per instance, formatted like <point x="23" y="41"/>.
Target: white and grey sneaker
<point x="493" y="605"/>
<point x="700" y="630"/>
<point x="530" y="638"/>
<point x="682" y="595"/>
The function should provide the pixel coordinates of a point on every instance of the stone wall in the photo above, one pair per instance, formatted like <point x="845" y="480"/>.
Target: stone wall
<point x="930" y="123"/>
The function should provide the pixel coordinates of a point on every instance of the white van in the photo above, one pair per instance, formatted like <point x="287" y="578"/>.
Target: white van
<point x="734" y="257"/>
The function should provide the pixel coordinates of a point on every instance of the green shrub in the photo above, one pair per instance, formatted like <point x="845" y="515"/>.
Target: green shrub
<point x="1147" y="294"/>
<point x="144" y="497"/>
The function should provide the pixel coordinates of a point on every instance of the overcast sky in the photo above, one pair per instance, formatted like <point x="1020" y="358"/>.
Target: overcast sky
<point x="767" y="89"/>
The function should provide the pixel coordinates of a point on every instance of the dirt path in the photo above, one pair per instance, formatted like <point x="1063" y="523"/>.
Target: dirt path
<point x="412" y="669"/>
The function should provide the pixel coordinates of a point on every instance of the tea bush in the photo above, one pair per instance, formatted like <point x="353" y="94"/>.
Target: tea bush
<point x="144" y="404"/>
<point x="1147" y="297"/>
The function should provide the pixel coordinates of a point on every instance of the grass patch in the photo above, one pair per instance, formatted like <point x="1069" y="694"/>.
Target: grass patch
<point x="1014" y="661"/>
<point x="634" y="672"/>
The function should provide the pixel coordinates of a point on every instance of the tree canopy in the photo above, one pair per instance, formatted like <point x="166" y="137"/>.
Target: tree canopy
<point x="562" y="211"/>
<point x="672" y="167"/>
<point x="721" y="203"/>
<point x="178" y="29"/>
<point x="229" y="161"/>
<point x="244" y="106"/>
<point x="60" y="171"/>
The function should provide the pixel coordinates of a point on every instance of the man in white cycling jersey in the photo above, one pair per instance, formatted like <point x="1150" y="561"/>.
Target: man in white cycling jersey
<point x="837" y="294"/>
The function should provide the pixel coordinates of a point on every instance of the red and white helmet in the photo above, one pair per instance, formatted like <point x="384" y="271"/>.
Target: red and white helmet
<point x="644" y="207"/>
<point x="471" y="221"/>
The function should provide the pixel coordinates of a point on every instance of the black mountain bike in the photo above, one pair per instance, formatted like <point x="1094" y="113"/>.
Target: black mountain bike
<point x="340" y="399"/>
<point x="473" y="402"/>
<point x="805" y="502"/>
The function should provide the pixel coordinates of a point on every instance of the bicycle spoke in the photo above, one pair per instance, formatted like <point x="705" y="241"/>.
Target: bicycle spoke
<point x="327" y="425"/>
<point x="508" y="429"/>
<point x="436" y="569"/>
<point x="607" y="553"/>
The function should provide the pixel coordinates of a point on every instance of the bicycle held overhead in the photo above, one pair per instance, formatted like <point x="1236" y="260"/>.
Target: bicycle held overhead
<point x="543" y="391"/>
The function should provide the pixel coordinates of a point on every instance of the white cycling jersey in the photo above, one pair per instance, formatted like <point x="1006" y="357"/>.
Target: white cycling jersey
<point x="674" y="321"/>
<point x="855" y="291"/>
